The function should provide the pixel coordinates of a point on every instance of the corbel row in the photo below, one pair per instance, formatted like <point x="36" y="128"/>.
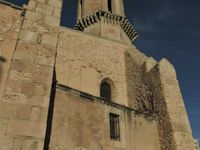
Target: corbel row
<point x="107" y="17"/>
<point x="128" y="29"/>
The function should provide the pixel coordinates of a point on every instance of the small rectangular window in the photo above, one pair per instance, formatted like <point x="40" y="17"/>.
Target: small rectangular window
<point x="114" y="127"/>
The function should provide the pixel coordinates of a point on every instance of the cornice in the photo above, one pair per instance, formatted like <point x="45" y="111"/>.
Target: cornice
<point x="109" y="18"/>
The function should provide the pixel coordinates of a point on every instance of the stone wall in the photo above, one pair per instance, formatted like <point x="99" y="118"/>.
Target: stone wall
<point x="82" y="123"/>
<point x="25" y="101"/>
<point x="10" y="24"/>
<point x="88" y="60"/>
<point x="35" y="47"/>
<point x="173" y="124"/>
<point x="140" y="93"/>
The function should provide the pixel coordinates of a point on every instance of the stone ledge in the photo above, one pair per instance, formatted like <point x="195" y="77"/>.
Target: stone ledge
<point x="99" y="99"/>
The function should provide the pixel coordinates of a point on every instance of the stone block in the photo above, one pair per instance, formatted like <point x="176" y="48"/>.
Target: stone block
<point x="42" y="89"/>
<point x="32" y="144"/>
<point x="27" y="143"/>
<point x="17" y="75"/>
<point x="31" y="5"/>
<point x="182" y="138"/>
<point x="41" y="101"/>
<point x="49" y="40"/>
<point x="17" y="143"/>
<point x="41" y="1"/>
<point x="44" y="60"/>
<point x="166" y="69"/>
<point x="90" y="81"/>
<point x="23" y="55"/>
<point x="44" y="9"/>
<point x="23" y="112"/>
<point x="57" y="12"/>
<point x="36" y="114"/>
<point x="7" y="110"/>
<point x="28" y="36"/>
<point x="3" y="126"/>
<point x="149" y="64"/>
<point x="52" y="21"/>
<point x="33" y="16"/>
<point x="26" y="128"/>
<point x="25" y="52"/>
<point x="6" y="142"/>
<point x="43" y="115"/>
<point x="14" y="97"/>
<point x="27" y="24"/>
<point x="57" y="3"/>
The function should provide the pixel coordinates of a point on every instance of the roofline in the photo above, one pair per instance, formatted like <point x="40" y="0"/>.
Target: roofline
<point x="99" y="99"/>
<point x="10" y="4"/>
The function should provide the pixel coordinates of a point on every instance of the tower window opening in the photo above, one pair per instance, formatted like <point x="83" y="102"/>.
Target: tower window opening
<point x="114" y="127"/>
<point x="110" y="5"/>
<point x="105" y="91"/>
<point x="81" y="2"/>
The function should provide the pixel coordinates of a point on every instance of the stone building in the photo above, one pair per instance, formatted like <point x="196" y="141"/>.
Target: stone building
<point x="87" y="88"/>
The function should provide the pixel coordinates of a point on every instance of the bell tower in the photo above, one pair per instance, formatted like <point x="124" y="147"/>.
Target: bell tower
<point x="105" y="18"/>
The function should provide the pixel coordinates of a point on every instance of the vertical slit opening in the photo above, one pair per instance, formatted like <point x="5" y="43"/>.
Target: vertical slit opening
<point x="81" y="2"/>
<point x="110" y="5"/>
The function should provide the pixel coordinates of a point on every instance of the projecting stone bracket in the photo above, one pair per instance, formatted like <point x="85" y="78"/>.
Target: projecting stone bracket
<point x="108" y="17"/>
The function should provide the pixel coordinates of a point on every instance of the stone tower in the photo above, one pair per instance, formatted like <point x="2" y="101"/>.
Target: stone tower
<point x="105" y="18"/>
<point x="84" y="89"/>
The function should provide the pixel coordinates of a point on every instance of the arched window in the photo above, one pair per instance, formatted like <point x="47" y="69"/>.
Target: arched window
<point x="105" y="91"/>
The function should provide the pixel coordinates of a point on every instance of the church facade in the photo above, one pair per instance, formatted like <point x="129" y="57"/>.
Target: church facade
<point x="86" y="88"/>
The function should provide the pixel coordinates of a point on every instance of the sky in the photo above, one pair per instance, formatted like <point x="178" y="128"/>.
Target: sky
<point x="169" y="29"/>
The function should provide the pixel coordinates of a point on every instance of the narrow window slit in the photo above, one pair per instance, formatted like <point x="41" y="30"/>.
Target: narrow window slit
<point x="110" y="5"/>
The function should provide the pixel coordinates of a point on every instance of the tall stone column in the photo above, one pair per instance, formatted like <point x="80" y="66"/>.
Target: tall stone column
<point x="173" y="124"/>
<point x="25" y="102"/>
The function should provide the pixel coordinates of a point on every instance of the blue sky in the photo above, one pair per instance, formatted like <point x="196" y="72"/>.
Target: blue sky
<point x="169" y="29"/>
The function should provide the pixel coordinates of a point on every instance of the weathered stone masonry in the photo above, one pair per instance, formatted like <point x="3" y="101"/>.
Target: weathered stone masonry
<point x="51" y="75"/>
<point x="25" y="100"/>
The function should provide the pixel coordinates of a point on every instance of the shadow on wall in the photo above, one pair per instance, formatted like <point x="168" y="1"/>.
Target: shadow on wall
<point x="2" y="59"/>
